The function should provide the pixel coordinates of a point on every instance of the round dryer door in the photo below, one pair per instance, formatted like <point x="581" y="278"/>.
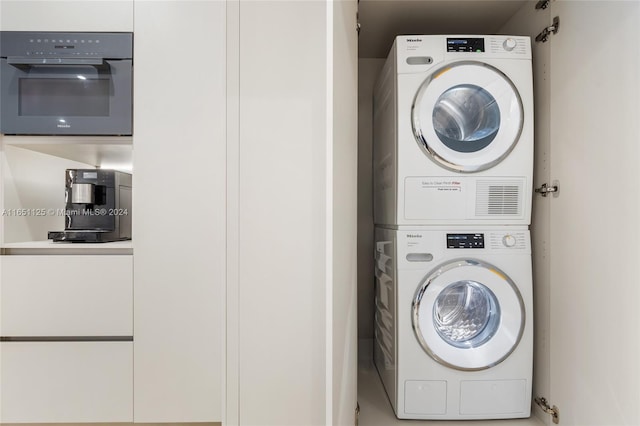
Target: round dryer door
<point x="468" y="315"/>
<point x="467" y="116"/>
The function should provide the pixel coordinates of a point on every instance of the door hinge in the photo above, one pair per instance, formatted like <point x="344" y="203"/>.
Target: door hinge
<point x="542" y="403"/>
<point x="357" y="414"/>
<point x="552" y="29"/>
<point x="542" y="4"/>
<point x="546" y="189"/>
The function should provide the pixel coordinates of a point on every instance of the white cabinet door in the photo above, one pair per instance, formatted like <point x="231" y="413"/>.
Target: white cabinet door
<point x="295" y="287"/>
<point x="66" y="382"/>
<point x="63" y="299"/>
<point x="66" y="295"/>
<point x="344" y="213"/>
<point x="529" y="21"/>
<point x="66" y="15"/>
<point x="282" y="283"/>
<point x="179" y="203"/>
<point x="595" y="220"/>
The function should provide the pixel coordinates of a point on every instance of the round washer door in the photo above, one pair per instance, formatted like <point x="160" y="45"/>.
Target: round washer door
<point x="467" y="116"/>
<point x="468" y="315"/>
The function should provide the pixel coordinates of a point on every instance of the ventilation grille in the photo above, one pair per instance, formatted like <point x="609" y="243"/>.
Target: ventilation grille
<point x="499" y="198"/>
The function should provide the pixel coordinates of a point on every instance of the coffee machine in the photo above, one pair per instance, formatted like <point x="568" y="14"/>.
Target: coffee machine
<point x="97" y="206"/>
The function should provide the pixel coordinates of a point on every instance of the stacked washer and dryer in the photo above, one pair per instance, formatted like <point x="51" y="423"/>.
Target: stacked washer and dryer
<point x="453" y="165"/>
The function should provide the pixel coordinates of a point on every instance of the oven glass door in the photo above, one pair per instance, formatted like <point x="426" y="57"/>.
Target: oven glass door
<point x="73" y="98"/>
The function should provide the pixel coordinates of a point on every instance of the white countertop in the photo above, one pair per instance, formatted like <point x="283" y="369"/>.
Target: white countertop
<point x="50" y="247"/>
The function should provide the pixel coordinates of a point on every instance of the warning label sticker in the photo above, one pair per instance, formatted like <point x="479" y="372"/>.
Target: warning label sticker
<point x="440" y="185"/>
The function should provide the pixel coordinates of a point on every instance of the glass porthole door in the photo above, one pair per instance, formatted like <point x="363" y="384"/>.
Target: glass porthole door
<point x="467" y="116"/>
<point x="468" y="315"/>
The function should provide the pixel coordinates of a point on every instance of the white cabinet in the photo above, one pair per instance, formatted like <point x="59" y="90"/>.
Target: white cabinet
<point x="282" y="280"/>
<point x="291" y="287"/>
<point x="66" y="382"/>
<point x="66" y="15"/>
<point x="179" y="235"/>
<point x="179" y="229"/>
<point x="66" y="295"/>
<point x="67" y="352"/>
<point x="595" y="226"/>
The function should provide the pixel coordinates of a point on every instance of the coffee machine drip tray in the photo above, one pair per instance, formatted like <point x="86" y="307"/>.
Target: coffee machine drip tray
<point x="80" y="236"/>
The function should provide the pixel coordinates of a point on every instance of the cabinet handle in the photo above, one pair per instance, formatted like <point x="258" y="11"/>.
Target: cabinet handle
<point x="66" y="339"/>
<point x="19" y="61"/>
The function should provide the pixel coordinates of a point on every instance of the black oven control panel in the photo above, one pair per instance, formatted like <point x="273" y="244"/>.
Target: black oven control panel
<point x="66" y="45"/>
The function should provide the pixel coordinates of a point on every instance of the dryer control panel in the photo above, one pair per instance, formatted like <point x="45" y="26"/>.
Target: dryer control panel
<point x="465" y="44"/>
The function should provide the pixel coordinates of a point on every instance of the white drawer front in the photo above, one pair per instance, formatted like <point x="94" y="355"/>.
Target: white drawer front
<point x="66" y="295"/>
<point x="66" y="382"/>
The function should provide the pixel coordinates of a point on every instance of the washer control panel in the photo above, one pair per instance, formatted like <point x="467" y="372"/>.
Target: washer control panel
<point x="492" y="240"/>
<point x="465" y="241"/>
<point x="417" y="247"/>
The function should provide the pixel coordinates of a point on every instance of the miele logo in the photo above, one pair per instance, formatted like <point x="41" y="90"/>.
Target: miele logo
<point x="63" y="126"/>
<point x="414" y="40"/>
<point x="414" y="236"/>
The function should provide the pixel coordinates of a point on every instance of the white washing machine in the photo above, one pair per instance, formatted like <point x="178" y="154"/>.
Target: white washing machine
<point x="453" y="132"/>
<point x="453" y="322"/>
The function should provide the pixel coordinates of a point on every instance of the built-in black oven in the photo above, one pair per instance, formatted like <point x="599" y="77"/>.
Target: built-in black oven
<point x="66" y="83"/>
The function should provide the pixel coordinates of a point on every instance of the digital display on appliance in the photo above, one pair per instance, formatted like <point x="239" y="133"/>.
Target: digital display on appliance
<point x="90" y="175"/>
<point x="464" y="241"/>
<point x="465" y="45"/>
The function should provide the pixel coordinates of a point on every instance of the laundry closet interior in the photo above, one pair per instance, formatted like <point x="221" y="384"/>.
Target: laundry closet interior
<point x="246" y="293"/>
<point x="578" y="96"/>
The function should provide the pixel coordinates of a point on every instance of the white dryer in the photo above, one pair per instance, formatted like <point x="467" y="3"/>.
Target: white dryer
<point x="453" y="132"/>
<point x="453" y="322"/>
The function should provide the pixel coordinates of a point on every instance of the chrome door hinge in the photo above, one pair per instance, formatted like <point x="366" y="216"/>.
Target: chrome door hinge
<point x="542" y="4"/>
<point x="546" y="189"/>
<point x="357" y="414"/>
<point x="552" y="29"/>
<point x="555" y="412"/>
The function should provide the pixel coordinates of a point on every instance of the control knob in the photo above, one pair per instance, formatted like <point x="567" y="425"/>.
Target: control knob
<point x="509" y="240"/>
<point x="509" y="44"/>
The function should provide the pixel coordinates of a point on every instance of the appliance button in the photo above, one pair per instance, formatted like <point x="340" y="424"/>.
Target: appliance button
<point x="509" y="44"/>
<point x="509" y="240"/>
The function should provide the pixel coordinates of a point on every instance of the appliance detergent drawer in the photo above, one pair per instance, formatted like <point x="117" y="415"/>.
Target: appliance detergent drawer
<point x="66" y="382"/>
<point x="66" y="295"/>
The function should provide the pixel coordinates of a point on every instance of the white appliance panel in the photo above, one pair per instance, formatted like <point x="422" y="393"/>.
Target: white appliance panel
<point x="439" y="157"/>
<point x="446" y="382"/>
